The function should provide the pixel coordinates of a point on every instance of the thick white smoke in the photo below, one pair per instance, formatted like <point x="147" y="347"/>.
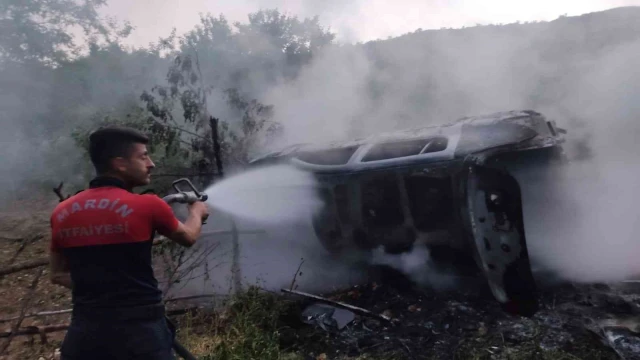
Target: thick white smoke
<point x="580" y="218"/>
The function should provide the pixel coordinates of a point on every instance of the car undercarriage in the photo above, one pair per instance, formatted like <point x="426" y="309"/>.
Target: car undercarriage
<point x="446" y="186"/>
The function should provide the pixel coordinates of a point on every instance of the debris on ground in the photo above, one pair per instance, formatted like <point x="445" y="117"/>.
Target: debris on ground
<point x="574" y="321"/>
<point x="326" y="315"/>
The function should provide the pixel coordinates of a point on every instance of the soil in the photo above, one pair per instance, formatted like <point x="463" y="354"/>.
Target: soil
<point x="24" y="235"/>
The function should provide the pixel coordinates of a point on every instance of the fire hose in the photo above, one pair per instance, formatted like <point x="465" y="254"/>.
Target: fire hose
<point x="184" y="197"/>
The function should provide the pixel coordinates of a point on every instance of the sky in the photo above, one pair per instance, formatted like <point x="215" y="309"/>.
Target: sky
<point x="352" y="20"/>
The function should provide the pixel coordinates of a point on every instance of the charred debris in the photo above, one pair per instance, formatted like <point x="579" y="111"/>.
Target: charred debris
<point x="573" y="321"/>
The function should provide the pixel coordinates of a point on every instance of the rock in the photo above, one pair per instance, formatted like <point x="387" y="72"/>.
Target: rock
<point x="388" y="314"/>
<point x="322" y="356"/>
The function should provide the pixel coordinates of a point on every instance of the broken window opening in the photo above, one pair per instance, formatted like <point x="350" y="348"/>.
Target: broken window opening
<point x="339" y="156"/>
<point x="398" y="149"/>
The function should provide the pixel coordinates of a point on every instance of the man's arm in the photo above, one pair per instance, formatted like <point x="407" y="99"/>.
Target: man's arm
<point x="185" y="233"/>
<point x="59" y="270"/>
<point x="189" y="231"/>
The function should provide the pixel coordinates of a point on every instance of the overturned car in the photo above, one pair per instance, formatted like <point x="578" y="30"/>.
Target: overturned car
<point x="447" y="187"/>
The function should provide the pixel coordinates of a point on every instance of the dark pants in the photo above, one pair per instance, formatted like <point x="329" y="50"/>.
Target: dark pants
<point x="119" y="334"/>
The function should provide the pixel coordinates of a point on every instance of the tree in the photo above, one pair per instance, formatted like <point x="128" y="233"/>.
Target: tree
<point x="186" y="92"/>
<point x="252" y="56"/>
<point x="215" y="65"/>
<point x="41" y="30"/>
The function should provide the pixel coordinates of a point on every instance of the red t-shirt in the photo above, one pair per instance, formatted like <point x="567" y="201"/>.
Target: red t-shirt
<point x="106" y="234"/>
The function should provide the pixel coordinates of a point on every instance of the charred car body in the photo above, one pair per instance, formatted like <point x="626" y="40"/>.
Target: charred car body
<point x="445" y="186"/>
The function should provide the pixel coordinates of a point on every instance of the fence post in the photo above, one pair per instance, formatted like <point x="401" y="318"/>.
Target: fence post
<point x="236" y="274"/>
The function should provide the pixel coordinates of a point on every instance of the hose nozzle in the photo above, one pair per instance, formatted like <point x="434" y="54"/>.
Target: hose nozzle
<point x="185" y="197"/>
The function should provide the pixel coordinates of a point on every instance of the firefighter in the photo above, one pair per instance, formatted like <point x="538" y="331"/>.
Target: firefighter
<point x="101" y="250"/>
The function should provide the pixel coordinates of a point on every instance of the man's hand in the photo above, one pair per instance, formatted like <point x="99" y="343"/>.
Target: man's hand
<point x="199" y="209"/>
<point x="189" y="231"/>
<point x="59" y="270"/>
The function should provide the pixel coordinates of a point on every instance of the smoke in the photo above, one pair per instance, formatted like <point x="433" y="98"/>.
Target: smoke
<point x="418" y="266"/>
<point x="581" y="218"/>
<point x="586" y="225"/>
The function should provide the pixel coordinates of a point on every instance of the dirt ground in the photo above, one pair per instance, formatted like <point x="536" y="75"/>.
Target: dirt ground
<point x="575" y="322"/>
<point x="24" y="235"/>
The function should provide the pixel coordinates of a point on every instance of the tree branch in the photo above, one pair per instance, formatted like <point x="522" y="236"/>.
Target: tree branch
<point x="34" y="330"/>
<point x="24" y="266"/>
<point x="181" y="129"/>
<point x="23" y="310"/>
<point x="38" y="314"/>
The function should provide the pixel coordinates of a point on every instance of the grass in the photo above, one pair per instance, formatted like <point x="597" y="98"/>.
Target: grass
<point x="247" y="328"/>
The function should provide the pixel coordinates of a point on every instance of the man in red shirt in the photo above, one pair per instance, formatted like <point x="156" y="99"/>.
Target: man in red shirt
<point x="101" y="250"/>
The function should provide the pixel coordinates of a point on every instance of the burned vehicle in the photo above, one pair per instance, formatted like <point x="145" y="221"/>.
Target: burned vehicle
<point x="442" y="186"/>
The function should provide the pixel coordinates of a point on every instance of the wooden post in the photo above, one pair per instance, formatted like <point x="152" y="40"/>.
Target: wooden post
<point x="236" y="274"/>
<point x="215" y="137"/>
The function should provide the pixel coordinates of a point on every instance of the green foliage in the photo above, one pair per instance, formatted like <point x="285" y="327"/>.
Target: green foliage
<point x="40" y="30"/>
<point x="246" y="329"/>
<point x="296" y="39"/>
<point x="256" y="125"/>
<point x="270" y="46"/>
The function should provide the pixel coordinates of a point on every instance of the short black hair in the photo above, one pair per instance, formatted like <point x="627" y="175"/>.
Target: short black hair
<point x="110" y="142"/>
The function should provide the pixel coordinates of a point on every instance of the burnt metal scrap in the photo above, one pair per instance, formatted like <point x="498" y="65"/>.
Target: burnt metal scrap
<point x="574" y="321"/>
<point x="354" y="309"/>
<point x="327" y="316"/>
<point x="447" y="187"/>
